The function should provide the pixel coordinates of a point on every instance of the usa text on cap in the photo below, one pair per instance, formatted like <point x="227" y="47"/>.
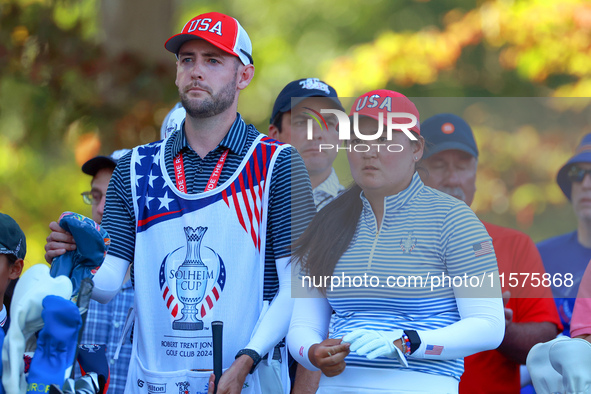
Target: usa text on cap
<point x="218" y="29"/>
<point x="383" y="101"/>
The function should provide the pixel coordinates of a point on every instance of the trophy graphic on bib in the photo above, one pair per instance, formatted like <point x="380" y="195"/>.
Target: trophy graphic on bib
<point x="191" y="281"/>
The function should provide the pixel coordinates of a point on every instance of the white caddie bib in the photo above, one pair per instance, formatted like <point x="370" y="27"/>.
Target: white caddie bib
<point x="198" y="258"/>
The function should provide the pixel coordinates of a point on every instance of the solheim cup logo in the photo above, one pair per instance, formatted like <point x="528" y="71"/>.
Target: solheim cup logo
<point x="191" y="281"/>
<point x="191" y="287"/>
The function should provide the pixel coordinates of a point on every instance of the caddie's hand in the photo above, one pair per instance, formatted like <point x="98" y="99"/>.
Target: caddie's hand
<point x="508" y="311"/>
<point x="58" y="242"/>
<point x="233" y="379"/>
<point x="329" y="355"/>
<point x="211" y="384"/>
<point x="374" y="344"/>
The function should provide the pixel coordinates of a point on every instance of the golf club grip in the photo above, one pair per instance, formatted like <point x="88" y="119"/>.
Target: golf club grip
<point x="217" y="328"/>
<point x="84" y="294"/>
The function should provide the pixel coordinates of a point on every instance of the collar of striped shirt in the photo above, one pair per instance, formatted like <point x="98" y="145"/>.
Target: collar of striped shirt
<point x="331" y="185"/>
<point x="234" y="140"/>
<point x="397" y="201"/>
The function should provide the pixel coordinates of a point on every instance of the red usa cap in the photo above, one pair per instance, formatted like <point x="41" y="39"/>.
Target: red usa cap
<point x="220" y="30"/>
<point x="383" y="101"/>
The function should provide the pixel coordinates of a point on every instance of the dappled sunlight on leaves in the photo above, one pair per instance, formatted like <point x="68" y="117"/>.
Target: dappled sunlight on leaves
<point x="62" y="100"/>
<point x="87" y="147"/>
<point x="55" y="112"/>
<point x="538" y="39"/>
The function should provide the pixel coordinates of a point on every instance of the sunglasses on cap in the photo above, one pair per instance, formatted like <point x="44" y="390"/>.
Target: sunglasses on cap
<point x="577" y="174"/>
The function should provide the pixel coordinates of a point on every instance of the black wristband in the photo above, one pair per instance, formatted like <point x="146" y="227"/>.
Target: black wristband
<point x="415" y="340"/>
<point x="256" y="358"/>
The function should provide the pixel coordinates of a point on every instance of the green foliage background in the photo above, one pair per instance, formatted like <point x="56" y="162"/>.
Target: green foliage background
<point x="63" y="101"/>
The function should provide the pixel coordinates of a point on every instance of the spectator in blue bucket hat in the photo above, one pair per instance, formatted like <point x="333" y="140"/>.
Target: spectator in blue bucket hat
<point x="568" y="254"/>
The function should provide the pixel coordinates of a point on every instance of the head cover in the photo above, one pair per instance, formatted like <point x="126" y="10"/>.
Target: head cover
<point x="383" y="101"/>
<point x="92" y="244"/>
<point x="12" y="238"/>
<point x="220" y="30"/>
<point x="300" y="90"/>
<point x="94" y="165"/>
<point x="448" y="132"/>
<point x="582" y="155"/>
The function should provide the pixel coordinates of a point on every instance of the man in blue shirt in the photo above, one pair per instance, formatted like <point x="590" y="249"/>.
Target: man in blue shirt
<point x="569" y="254"/>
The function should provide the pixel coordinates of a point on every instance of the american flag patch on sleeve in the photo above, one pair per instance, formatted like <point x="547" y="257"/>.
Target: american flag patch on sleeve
<point x="482" y="248"/>
<point x="434" y="350"/>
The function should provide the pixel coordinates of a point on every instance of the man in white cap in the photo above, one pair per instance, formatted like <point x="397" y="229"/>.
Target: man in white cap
<point x="173" y="120"/>
<point x="205" y="220"/>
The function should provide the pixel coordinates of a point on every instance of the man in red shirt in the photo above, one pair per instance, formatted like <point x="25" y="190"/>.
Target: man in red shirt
<point x="450" y="160"/>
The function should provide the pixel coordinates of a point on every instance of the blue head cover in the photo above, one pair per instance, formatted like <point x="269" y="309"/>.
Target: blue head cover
<point x="93" y="358"/>
<point x="92" y="243"/>
<point x="56" y="344"/>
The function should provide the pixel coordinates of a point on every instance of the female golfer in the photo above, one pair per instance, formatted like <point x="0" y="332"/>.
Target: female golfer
<point x="409" y="272"/>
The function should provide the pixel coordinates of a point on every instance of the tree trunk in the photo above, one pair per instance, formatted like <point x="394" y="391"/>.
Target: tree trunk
<point x="137" y="26"/>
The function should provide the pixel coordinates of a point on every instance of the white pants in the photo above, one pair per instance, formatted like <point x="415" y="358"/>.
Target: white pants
<point x="376" y="380"/>
<point x="270" y="377"/>
<point x="274" y="375"/>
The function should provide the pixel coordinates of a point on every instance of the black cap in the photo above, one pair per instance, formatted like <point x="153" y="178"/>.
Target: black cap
<point x="12" y="238"/>
<point x="447" y="132"/>
<point x="301" y="89"/>
<point x="94" y="165"/>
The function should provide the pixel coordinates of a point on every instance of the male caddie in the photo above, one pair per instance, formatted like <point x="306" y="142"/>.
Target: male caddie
<point x="205" y="220"/>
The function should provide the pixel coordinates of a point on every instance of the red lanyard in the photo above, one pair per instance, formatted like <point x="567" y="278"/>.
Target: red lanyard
<point x="179" y="172"/>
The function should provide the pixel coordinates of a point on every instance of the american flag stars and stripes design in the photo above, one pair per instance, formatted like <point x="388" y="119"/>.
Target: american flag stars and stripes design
<point x="249" y="205"/>
<point x="244" y="195"/>
<point x="156" y="203"/>
<point x="434" y="350"/>
<point x="152" y="194"/>
<point x="482" y="248"/>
